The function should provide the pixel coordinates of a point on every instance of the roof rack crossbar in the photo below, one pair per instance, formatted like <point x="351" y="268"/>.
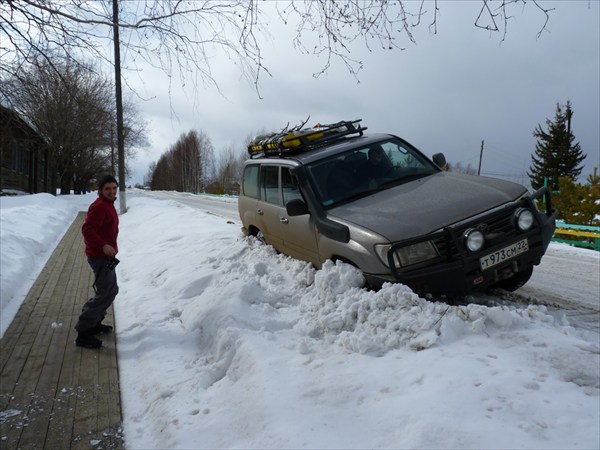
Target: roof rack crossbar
<point x="296" y="141"/>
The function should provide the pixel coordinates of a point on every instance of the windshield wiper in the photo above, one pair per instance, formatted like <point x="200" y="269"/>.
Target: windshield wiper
<point x="402" y="180"/>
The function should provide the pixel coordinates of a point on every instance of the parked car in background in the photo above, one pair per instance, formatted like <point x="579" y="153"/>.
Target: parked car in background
<point x="376" y="202"/>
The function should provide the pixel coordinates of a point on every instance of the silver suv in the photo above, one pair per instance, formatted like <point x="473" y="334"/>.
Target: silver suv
<point x="376" y="202"/>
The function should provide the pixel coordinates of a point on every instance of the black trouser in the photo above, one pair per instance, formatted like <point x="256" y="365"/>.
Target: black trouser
<point x="106" y="289"/>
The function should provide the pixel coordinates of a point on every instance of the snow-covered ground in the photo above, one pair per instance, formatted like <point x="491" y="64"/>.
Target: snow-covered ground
<point x="223" y="343"/>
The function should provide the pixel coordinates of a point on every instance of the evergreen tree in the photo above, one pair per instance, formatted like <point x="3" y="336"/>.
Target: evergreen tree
<point x="577" y="203"/>
<point x="556" y="154"/>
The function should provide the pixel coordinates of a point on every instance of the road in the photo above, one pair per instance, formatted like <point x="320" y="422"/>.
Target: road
<point x="220" y="206"/>
<point x="567" y="281"/>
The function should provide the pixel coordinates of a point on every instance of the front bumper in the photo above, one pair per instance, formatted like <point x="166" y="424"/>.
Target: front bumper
<point x="458" y="272"/>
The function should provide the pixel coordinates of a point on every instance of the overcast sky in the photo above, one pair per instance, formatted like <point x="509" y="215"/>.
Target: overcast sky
<point x="446" y="93"/>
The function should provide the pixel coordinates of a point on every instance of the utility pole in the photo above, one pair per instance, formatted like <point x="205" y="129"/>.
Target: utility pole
<point x="120" y="134"/>
<point x="480" y="157"/>
<point x="112" y="149"/>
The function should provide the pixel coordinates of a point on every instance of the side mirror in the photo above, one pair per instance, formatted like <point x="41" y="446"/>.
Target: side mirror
<point x="440" y="160"/>
<point x="296" y="207"/>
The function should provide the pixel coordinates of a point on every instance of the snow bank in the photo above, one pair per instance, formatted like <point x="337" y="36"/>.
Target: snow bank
<point x="32" y="226"/>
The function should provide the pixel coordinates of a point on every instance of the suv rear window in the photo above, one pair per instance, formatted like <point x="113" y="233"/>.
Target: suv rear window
<point x="269" y="189"/>
<point x="250" y="181"/>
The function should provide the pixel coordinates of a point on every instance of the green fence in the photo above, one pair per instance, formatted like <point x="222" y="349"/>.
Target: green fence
<point x="578" y="235"/>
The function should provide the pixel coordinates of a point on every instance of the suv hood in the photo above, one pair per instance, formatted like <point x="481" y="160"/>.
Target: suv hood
<point x="427" y="204"/>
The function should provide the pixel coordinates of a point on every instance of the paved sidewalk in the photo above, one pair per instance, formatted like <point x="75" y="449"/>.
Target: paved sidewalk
<point x="54" y="395"/>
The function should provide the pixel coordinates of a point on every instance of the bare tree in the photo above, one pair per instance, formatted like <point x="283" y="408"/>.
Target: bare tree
<point x="229" y="170"/>
<point x="182" y="168"/>
<point x="71" y="107"/>
<point x="149" y="174"/>
<point x="67" y="106"/>
<point x="160" y="179"/>
<point x="207" y="160"/>
<point x="180" y="35"/>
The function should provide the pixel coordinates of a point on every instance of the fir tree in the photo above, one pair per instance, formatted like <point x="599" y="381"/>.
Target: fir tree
<point x="577" y="203"/>
<point x="556" y="154"/>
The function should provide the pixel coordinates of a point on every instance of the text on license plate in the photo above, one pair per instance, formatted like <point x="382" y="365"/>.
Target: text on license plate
<point x="503" y="254"/>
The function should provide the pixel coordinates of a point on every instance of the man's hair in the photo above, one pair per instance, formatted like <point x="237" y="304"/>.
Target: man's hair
<point x="106" y="179"/>
<point x="376" y="150"/>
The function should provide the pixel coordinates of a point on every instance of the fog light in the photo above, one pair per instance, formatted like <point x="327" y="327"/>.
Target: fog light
<point x="474" y="240"/>
<point x="524" y="219"/>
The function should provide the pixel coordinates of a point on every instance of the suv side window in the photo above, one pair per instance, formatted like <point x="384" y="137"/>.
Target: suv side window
<point x="250" y="181"/>
<point x="401" y="157"/>
<point x="269" y="184"/>
<point x="289" y="187"/>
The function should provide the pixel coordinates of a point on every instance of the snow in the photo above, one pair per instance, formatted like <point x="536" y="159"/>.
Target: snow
<point x="223" y="343"/>
<point x="31" y="227"/>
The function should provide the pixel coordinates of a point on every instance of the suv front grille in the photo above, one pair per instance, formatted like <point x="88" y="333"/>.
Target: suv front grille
<point x="498" y="228"/>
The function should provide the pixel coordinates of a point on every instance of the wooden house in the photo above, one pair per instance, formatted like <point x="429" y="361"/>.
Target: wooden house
<point x="25" y="161"/>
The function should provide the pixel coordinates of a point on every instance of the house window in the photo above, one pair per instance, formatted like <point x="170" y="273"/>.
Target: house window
<point x="21" y="158"/>
<point x="26" y="161"/>
<point x="14" y="156"/>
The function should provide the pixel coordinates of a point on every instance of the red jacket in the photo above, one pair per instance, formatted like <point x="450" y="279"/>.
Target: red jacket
<point x="101" y="227"/>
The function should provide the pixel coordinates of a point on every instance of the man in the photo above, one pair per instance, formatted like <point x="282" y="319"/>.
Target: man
<point x="379" y="164"/>
<point x="100" y="231"/>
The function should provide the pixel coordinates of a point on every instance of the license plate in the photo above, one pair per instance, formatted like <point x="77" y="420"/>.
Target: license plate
<point x="506" y="253"/>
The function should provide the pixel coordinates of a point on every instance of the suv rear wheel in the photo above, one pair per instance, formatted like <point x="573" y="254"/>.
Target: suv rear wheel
<point x="257" y="234"/>
<point x="261" y="237"/>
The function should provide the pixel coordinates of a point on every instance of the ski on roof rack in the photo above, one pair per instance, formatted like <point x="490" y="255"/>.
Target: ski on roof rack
<point x="287" y="142"/>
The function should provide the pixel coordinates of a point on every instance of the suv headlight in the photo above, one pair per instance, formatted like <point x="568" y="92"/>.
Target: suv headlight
<point x="409" y="255"/>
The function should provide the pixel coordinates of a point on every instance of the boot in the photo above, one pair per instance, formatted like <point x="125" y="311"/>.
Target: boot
<point x="102" y="329"/>
<point x="86" y="339"/>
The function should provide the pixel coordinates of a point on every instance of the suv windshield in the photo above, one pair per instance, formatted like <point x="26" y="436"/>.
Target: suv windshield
<point x="364" y="170"/>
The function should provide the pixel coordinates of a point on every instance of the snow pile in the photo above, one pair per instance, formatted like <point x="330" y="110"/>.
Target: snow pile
<point x="336" y="309"/>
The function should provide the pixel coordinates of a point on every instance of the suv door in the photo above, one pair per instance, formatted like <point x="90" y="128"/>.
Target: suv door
<point x="266" y="188"/>
<point x="269" y="205"/>
<point x="299" y="232"/>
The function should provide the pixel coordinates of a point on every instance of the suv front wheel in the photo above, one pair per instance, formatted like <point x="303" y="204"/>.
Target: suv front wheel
<point x="515" y="282"/>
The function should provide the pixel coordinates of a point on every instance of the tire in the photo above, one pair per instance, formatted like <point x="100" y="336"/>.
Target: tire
<point x="515" y="282"/>
<point x="260" y="237"/>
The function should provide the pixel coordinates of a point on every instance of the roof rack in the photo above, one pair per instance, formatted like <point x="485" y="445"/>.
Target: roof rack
<point x="288" y="142"/>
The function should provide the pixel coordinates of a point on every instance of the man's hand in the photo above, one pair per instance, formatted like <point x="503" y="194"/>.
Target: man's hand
<point x="108" y="250"/>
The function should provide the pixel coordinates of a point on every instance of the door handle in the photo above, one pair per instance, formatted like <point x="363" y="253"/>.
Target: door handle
<point x="259" y="212"/>
<point x="283" y="220"/>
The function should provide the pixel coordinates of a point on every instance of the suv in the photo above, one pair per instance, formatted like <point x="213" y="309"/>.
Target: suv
<point x="376" y="202"/>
